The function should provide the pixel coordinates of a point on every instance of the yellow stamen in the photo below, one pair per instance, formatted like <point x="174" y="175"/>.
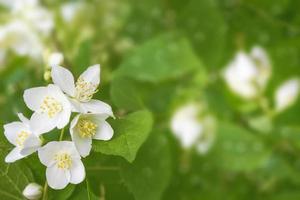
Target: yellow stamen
<point x="63" y="160"/>
<point x="22" y="136"/>
<point x="85" y="90"/>
<point x="86" y="128"/>
<point x="51" y="106"/>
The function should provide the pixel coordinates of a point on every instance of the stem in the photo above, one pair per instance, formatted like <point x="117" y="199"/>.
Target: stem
<point x="88" y="189"/>
<point x="62" y="134"/>
<point x="45" y="190"/>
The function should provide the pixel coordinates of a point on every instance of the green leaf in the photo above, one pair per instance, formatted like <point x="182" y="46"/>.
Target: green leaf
<point x="148" y="176"/>
<point x="61" y="194"/>
<point x="205" y="27"/>
<point x="124" y="93"/>
<point x="129" y="135"/>
<point x="83" y="57"/>
<point x="14" y="179"/>
<point x="238" y="149"/>
<point x="165" y="57"/>
<point x="82" y="192"/>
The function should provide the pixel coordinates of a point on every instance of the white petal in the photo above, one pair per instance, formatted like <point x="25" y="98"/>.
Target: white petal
<point x="11" y="131"/>
<point x="83" y="145"/>
<point x="64" y="79"/>
<point x="287" y="94"/>
<point x="41" y="123"/>
<point x="57" y="178"/>
<point x="14" y="155"/>
<point x="92" y="74"/>
<point x="77" y="172"/>
<point x="23" y="119"/>
<point x="64" y="118"/>
<point x="31" y="144"/>
<point x="104" y="131"/>
<point x="76" y="105"/>
<point x="46" y="153"/>
<point x="96" y="106"/>
<point x="33" y="97"/>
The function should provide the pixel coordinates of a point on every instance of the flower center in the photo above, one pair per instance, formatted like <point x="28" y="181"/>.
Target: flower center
<point x="84" y="90"/>
<point x="63" y="160"/>
<point x="21" y="137"/>
<point x="86" y="128"/>
<point x="51" y="106"/>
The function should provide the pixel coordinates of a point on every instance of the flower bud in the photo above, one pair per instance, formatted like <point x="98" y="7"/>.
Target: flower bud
<point x="33" y="191"/>
<point x="286" y="95"/>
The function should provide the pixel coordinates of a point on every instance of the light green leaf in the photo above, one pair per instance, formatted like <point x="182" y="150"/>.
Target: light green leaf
<point x="165" y="57"/>
<point x="130" y="133"/>
<point x="238" y="149"/>
<point x="148" y="176"/>
<point x="14" y="179"/>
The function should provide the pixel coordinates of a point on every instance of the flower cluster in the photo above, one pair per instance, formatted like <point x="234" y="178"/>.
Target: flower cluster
<point x="28" y="25"/>
<point x="52" y="106"/>
<point x="247" y="75"/>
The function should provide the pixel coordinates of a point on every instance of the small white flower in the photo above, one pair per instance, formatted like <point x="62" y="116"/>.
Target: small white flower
<point x="287" y="94"/>
<point x="247" y="75"/>
<point x="19" y="37"/>
<point x="81" y="93"/>
<point x="23" y="136"/>
<point x="51" y="107"/>
<point x="86" y="127"/>
<point x="55" y="58"/>
<point x="191" y="129"/>
<point x="33" y="191"/>
<point x="63" y="163"/>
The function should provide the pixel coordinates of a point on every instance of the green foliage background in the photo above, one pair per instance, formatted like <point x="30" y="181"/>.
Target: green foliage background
<point x="156" y="55"/>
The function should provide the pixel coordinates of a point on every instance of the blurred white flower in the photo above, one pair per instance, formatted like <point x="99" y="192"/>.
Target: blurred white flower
<point x="247" y="75"/>
<point x="16" y="5"/>
<point x="55" y="58"/>
<point x="20" y="38"/>
<point x="81" y="93"/>
<point x="191" y="129"/>
<point x="69" y="10"/>
<point x="86" y="127"/>
<point x="28" y="25"/>
<point x="33" y="191"/>
<point x="287" y="94"/>
<point x="23" y="135"/>
<point x="63" y="163"/>
<point x="51" y="107"/>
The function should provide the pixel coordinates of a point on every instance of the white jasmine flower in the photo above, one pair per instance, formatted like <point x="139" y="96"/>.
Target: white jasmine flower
<point x="23" y="136"/>
<point x="86" y="127"/>
<point x="51" y="107"/>
<point x="192" y="130"/>
<point x="247" y="75"/>
<point x="63" y="163"/>
<point x="287" y="94"/>
<point x="33" y="191"/>
<point x="81" y="93"/>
